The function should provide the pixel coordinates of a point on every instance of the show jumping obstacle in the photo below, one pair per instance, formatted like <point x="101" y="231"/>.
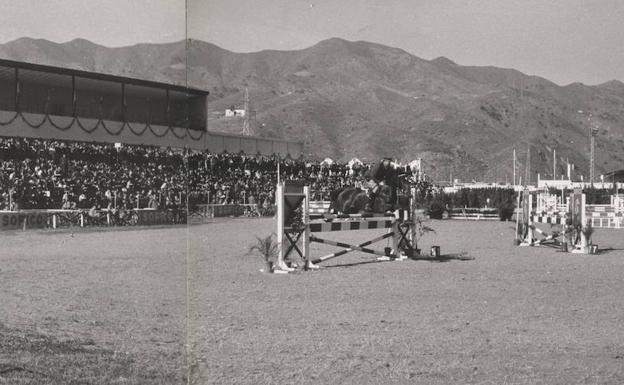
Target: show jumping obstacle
<point x="298" y="219"/>
<point x="572" y="217"/>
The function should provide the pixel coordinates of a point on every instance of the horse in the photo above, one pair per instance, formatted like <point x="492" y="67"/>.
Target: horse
<point x="353" y="200"/>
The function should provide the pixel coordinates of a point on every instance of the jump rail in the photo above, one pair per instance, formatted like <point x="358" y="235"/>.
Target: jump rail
<point x="298" y="218"/>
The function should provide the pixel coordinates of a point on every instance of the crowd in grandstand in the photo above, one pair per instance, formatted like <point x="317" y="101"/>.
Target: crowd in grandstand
<point x="51" y="174"/>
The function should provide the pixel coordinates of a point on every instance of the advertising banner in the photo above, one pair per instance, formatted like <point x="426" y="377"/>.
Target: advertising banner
<point x="154" y="217"/>
<point x="228" y="210"/>
<point x="10" y="220"/>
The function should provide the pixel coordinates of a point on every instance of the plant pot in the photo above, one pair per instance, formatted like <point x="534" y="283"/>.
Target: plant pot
<point x="564" y="247"/>
<point x="268" y="267"/>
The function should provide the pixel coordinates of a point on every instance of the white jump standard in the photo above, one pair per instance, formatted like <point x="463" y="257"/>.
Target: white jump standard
<point x="294" y="224"/>
<point x="573" y="221"/>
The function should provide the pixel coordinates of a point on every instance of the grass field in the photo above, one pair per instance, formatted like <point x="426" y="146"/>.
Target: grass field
<point x="168" y="305"/>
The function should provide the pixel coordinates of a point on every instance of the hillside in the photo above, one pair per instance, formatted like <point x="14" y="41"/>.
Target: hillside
<point x="346" y="99"/>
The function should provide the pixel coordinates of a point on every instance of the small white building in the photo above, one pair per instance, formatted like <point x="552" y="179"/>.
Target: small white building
<point x="233" y="113"/>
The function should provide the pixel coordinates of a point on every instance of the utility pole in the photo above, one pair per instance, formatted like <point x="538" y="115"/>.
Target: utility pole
<point x="569" y="169"/>
<point x="592" y="134"/>
<point x="514" y="166"/>
<point x="554" y="164"/>
<point x="527" y="171"/>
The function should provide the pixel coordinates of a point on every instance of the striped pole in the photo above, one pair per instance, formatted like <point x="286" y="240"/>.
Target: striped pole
<point x="396" y="234"/>
<point x="350" y="225"/>
<point x="550" y="237"/>
<point x="530" y="235"/>
<point x="349" y="248"/>
<point x="517" y="208"/>
<point x="330" y="217"/>
<point x="527" y="205"/>
<point x="546" y="236"/>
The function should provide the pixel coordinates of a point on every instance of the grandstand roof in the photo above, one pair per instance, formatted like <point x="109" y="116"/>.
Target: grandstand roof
<point x="43" y="69"/>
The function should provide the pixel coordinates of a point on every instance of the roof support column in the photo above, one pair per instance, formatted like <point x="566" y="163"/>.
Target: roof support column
<point x="17" y="90"/>
<point x="123" y="102"/>
<point x="73" y="96"/>
<point x="167" y="109"/>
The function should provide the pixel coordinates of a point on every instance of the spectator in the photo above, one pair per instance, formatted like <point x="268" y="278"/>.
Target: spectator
<point x="51" y="174"/>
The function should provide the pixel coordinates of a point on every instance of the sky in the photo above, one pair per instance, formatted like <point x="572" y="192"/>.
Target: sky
<point x="112" y="23"/>
<point x="562" y="40"/>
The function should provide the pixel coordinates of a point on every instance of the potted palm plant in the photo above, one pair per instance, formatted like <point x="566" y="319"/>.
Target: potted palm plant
<point x="421" y="230"/>
<point x="267" y="248"/>
<point x="587" y="234"/>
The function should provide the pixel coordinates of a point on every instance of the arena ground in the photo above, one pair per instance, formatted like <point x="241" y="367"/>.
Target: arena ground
<point x="155" y="306"/>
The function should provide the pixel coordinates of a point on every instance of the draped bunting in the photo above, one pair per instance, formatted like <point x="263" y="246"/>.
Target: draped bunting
<point x="100" y="130"/>
<point x="106" y="125"/>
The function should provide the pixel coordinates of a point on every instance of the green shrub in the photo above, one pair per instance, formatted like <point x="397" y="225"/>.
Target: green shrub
<point x="506" y="211"/>
<point x="435" y="210"/>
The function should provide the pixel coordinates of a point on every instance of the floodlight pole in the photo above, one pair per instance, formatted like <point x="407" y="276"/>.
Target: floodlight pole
<point x="514" y="166"/>
<point x="554" y="164"/>
<point x="592" y="133"/>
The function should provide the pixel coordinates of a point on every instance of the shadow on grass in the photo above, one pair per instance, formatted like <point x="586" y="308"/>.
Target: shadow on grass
<point x="603" y="251"/>
<point x="606" y="250"/>
<point x="440" y="259"/>
<point x="446" y="258"/>
<point x="28" y="357"/>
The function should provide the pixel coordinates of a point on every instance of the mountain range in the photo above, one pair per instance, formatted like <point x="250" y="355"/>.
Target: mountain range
<point x="347" y="99"/>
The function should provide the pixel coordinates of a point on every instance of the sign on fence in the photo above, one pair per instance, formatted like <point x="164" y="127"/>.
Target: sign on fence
<point x="155" y="217"/>
<point x="16" y="220"/>
<point x="228" y="210"/>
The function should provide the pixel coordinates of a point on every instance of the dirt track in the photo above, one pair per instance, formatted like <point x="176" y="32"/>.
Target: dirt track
<point x="511" y="315"/>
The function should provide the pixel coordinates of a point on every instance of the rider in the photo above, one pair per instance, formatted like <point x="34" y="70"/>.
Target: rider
<point x="383" y="173"/>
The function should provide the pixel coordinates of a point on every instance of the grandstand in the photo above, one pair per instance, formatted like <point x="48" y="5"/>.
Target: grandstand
<point x="85" y="148"/>
<point x="39" y="101"/>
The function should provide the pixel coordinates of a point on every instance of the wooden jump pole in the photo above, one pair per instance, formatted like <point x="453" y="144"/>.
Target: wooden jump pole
<point x="349" y="248"/>
<point x="403" y="230"/>
<point x="527" y="206"/>
<point x="279" y="203"/>
<point x="517" y="213"/>
<point x="305" y="242"/>
<point x="579" y="220"/>
<point x="412" y="217"/>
